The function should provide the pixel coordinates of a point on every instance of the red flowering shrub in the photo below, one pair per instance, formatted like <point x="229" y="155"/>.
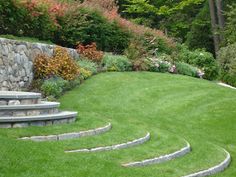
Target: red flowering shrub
<point x="151" y="38"/>
<point x="110" y="11"/>
<point x="53" y="8"/>
<point x="90" y="52"/>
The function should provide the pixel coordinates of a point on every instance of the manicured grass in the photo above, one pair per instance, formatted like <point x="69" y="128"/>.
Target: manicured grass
<point x="26" y="39"/>
<point x="171" y="107"/>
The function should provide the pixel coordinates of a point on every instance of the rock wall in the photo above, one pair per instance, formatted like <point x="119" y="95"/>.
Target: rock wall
<point x="16" y="62"/>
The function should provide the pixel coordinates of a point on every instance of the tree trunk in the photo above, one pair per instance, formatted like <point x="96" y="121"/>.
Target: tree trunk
<point x="220" y="16"/>
<point x="214" y="25"/>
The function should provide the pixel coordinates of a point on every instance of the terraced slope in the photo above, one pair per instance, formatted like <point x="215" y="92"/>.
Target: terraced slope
<point x="172" y="108"/>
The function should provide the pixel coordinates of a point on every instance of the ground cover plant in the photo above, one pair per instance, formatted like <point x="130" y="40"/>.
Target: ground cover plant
<point x="134" y="102"/>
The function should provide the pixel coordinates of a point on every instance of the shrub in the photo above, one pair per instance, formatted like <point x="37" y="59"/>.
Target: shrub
<point x="61" y="65"/>
<point x="200" y="34"/>
<point x="158" y="65"/>
<point x="200" y="59"/>
<point x="55" y="86"/>
<point x="116" y="63"/>
<point x="65" y="66"/>
<point x="41" y="67"/>
<point x="109" y="9"/>
<point x="227" y="61"/>
<point x="141" y="65"/>
<point x="52" y="87"/>
<point x="88" y="65"/>
<point x="87" y="26"/>
<point x="90" y="52"/>
<point x="135" y="50"/>
<point x="28" y="18"/>
<point x="186" y="69"/>
<point x="85" y="73"/>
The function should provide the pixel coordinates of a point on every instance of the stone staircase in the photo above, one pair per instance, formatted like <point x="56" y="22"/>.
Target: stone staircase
<point x="23" y="109"/>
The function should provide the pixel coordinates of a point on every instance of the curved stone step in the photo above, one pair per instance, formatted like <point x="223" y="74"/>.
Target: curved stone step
<point x="15" y="98"/>
<point x="71" y="135"/>
<point x="213" y="170"/>
<point x="160" y="159"/>
<point x="29" y="109"/>
<point x="114" y="147"/>
<point x="226" y="85"/>
<point x="39" y="120"/>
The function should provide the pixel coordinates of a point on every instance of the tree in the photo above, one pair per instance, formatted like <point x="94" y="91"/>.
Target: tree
<point x="174" y="17"/>
<point x="214" y="25"/>
<point x="221" y="19"/>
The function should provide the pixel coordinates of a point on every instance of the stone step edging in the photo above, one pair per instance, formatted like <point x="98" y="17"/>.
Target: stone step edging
<point x="114" y="147"/>
<point x="226" y="85"/>
<point x="19" y="95"/>
<point x="71" y="135"/>
<point x="39" y="120"/>
<point x="42" y="105"/>
<point x="213" y="170"/>
<point x="160" y="159"/>
<point x="55" y="116"/>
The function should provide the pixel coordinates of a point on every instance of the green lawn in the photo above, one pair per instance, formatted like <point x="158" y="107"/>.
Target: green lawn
<point x="26" y="39"/>
<point x="171" y="107"/>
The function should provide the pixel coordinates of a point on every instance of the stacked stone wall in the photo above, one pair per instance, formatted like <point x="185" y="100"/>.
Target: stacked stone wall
<point x="16" y="62"/>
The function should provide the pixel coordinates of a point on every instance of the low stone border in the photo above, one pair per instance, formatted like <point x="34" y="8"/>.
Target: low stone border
<point x="71" y="135"/>
<point x="226" y="85"/>
<point x="114" y="147"/>
<point x="160" y="159"/>
<point x="213" y="170"/>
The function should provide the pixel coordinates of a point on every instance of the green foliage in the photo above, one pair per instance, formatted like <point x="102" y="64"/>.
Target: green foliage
<point x="173" y="17"/>
<point x="85" y="74"/>
<point x="88" y="65"/>
<point x="54" y="87"/>
<point x="230" y="32"/>
<point x="227" y="60"/>
<point x="186" y="69"/>
<point x="88" y="26"/>
<point x="80" y="24"/>
<point x="144" y="6"/>
<point x="146" y="46"/>
<point x="135" y="50"/>
<point x="116" y="63"/>
<point x="200" y="59"/>
<point x="14" y="16"/>
<point x="200" y="34"/>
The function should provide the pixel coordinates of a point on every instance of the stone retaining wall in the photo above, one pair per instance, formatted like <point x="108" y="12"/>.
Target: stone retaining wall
<point x="16" y="62"/>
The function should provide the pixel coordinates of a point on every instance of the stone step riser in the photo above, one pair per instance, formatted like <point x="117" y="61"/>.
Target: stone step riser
<point x="33" y="112"/>
<point x="28" y="101"/>
<point x="23" y="109"/>
<point x="37" y="123"/>
<point x="19" y="98"/>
